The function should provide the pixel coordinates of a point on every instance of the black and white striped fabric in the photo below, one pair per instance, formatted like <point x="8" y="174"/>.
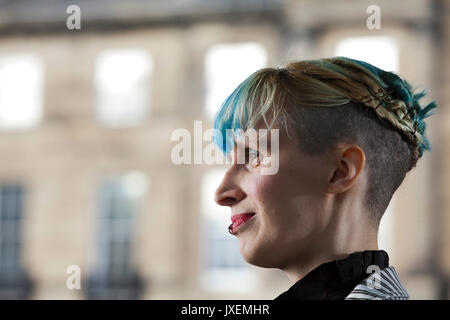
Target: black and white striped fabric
<point x="383" y="284"/>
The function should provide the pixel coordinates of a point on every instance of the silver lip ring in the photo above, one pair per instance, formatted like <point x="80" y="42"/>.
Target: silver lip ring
<point x="229" y="229"/>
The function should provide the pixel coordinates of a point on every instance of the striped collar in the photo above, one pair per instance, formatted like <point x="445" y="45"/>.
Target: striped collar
<point x="383" y="284"/>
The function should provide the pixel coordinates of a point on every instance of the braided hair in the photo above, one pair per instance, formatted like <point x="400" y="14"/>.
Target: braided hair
<point x="391" y="97"/>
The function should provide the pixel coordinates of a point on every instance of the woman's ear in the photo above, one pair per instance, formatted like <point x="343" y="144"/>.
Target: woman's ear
<point x="349" y="162"/>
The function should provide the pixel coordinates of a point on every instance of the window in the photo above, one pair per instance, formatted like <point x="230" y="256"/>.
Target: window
<point x="114" y="274"/>
<point x="382" y="52"/>
<point x="223" y="268"/>
<point x="21" y="83"/>
<point x="122" y="84"/>
<point x="14" y="283"/>
<point x="226" y="66"/>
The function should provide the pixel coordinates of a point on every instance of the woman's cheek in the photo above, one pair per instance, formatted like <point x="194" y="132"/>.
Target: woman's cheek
<point x="265" y="188"/>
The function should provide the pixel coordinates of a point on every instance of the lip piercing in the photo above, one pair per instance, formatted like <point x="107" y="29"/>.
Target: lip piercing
<point x="230" y="229"/>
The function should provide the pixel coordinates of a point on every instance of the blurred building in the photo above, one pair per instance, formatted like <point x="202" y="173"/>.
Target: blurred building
<point x="87" y="117"/>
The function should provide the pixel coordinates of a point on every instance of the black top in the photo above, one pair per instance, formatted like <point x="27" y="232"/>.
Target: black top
<point x="335" y="280"/>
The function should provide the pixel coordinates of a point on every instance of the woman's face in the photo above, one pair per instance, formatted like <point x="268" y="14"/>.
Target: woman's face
<point x="288" y="220"/>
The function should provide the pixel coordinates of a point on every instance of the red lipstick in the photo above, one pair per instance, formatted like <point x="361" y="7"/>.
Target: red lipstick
<point x="238" y="220"/>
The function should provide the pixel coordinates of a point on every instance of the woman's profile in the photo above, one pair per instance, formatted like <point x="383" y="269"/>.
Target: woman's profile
<point x="349" y="132"/>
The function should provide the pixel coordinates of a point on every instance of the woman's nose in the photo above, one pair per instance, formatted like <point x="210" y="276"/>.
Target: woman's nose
<point x="228" y="193"/>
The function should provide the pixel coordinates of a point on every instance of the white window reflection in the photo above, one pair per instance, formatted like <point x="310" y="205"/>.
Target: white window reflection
<point x="381" y="51"/>
<point x="226" y="66"/>
<point x="122" y="84"/>
<point x="21" y="84"/>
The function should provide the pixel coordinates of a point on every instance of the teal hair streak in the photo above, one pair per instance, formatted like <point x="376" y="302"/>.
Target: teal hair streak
<point x="232" y="115"/>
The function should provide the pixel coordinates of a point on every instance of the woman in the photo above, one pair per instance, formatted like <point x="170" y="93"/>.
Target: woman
<point x="348" y="134"/>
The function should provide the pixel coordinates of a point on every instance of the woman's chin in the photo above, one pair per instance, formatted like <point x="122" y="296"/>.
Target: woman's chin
<point x="255" y="255"/>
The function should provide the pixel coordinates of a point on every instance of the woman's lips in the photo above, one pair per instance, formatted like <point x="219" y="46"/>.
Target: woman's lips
<point x="238" y="220"/>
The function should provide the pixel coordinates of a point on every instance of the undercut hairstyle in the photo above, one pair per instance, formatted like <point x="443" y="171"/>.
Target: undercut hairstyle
<point x="321" y="103"/>
<point x="388" y="156"/>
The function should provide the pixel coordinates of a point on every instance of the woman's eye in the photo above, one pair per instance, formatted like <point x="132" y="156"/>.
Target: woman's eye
<point x="252" y="156"/>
